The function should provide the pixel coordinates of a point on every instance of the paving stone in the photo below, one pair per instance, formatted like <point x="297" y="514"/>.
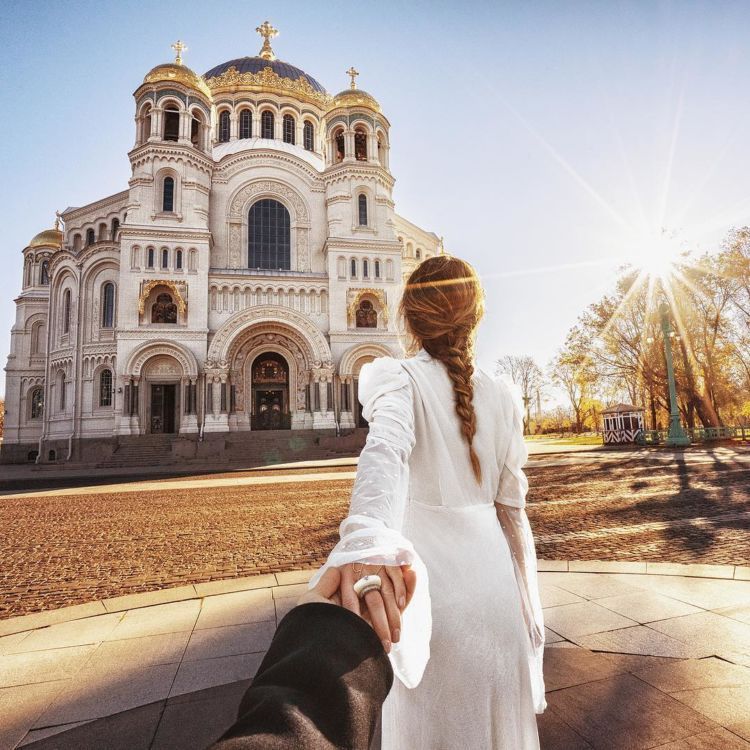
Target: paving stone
<point x="133" y="729"/>
<point x="97" y="693"/>
<point x="76" y="633"/>
<point x="195" y="724"/>
<point x="162" y="618"/>
<point x="642" y="639"/>
<point x="227" y="691"/>
<point x="700" y="592"/>
<point x="198" y="675"/>
<point x="692" y="674"/>
<point x="708" y="628"/>
<point x="50" y="617"/>
<point x="555" y="734"/>
<point x="714" y="739"/>
<point x="43" y="666"/>
<point x="551" y="637"/>
<point x="647" y="606"/>
<point x="565" y="667"/>
<point x="691" y="569"/>
<point x="236" y="608"/>
<point x="161" y="596"/>
<point x="40" y="734"/>
<point x="283" y="607"/>
<point x="544" y="565"/>
<point x="724" y="705"/>
<point x="148" y="650"/>
<point x="294" y="576"/>
<point x="554" y="596"/>
<point x="295" y="590"/>
<point x="592" y="585"/>
<point x="9" y="641"/>
<point x="21" y="706"/>
<point x="607" y="566"/>
<point x="228" y="586"/>
<point x="739" y="612"/>
<point x="623" y="712"/>
<point x="583" y="619"/>
<point x="233" y="639"/>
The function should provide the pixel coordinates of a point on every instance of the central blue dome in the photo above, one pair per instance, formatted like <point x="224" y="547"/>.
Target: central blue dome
<point x="256" y="65"/>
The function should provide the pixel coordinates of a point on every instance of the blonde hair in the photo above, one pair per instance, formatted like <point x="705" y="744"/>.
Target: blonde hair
<point x="442" y="305"/>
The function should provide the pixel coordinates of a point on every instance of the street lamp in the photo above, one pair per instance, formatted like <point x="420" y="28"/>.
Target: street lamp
<point x="676" y="435"/>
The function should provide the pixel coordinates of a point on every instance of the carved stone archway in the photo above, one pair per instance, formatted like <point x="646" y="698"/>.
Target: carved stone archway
<point x="146" y="351"/>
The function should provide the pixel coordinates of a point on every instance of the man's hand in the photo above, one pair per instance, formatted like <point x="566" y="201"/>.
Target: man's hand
<point x="382" y="609"/>
<point x="326" y="591"/>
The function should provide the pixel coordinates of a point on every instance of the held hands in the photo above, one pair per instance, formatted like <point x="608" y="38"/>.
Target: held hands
<point x="381" y="609"/>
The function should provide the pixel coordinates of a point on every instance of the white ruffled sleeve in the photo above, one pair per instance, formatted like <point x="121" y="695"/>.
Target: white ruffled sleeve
<point x="510" y="503"/>
<point x="371" y="532"/>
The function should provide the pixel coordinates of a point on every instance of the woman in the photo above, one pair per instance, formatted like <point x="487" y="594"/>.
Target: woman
<point x="440" y="487"/>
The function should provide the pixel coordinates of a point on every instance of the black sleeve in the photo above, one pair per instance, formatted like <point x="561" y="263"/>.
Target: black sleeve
<point x="320" y="686"/>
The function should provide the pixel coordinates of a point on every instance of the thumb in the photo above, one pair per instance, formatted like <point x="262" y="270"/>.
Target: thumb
<point x="329" y="583"/>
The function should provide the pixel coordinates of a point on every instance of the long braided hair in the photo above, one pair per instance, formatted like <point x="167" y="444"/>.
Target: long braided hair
<point x="442" y="304"/>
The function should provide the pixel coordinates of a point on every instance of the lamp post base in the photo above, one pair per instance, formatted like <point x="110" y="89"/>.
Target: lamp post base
<point x="677" y="437"/>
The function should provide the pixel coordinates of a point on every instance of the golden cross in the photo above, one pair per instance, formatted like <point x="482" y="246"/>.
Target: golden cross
<point x="178" y="47"/>
<point x="267" y="32"/>
<point x="353" y="73"/>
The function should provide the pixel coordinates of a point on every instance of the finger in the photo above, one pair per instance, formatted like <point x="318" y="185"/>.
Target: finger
<point x="329" y="583"/>
<point x="399" y="587"/>
<point x="392" y="612"/>
<point x="349" y="598"/>
<point x="378" y="619"/>
<point x="410" y="581"/>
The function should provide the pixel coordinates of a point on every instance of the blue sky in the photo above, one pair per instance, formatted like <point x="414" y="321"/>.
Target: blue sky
<point x="545" y="141"/>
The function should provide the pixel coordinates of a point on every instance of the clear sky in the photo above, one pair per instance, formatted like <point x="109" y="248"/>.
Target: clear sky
<point x="544" y="141"/>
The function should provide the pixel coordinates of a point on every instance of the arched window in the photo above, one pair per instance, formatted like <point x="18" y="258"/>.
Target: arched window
<point x="381" y="151"/>
<point x="76" y="242"/>
<point x="167" y="199"/>
<point x="37" y="403"/>
<point x="224" y="126"/>
<point x="44" y="273"/>
<point x="360" y="145"/>
<point x="339" y="147"/>
<point x="377" y="269"/>
<point x="115" y="227"/>
<point x="150" y="259"/>
<point x="365" y="269"/>
<point x="146" y="132"/>
<point x="367" y="315"/>
<point x="308" y="136"/>
<point x="266" y="124"/>
<point x="66" y="311"/>
<point x="171" y="123"/>
<point x="164" y="258"/>
<point x="269" y="235"/>
<point x="246" y="124"/>
<point x="108" y="305"/>
<point x="289" y="128"/>
<point x="353" y="268"/>
<point x="419" y="253"/>
<point x="178" y="260"/>
<point x="61" y="386"/>
<point x="196" y="128"/>
<point x="38" y="343"/>
<point x="90" y="237"/>
<point x="164" y="310"/>
<point x="105" y="388"/>
<point x="362" y="206"/>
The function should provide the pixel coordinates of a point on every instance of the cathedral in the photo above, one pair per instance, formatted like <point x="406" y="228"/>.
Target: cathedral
<point x="251" y="267"/>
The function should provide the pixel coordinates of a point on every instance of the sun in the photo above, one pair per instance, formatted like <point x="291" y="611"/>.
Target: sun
<point x="657" y="255"/>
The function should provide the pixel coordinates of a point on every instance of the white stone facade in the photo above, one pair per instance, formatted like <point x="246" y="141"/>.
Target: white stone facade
<point x="146" y="312"/>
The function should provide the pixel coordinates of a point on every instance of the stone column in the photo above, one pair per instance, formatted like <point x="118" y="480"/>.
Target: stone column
<point x="233" y="127"/>
<point x="156" y="117"/>
<point x="349" y="145"/>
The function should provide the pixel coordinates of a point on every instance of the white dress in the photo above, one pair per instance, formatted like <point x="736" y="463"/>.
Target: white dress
<point x="469" y="664"/>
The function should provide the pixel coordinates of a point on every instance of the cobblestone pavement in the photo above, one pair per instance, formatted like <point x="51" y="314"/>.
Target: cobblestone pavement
<point x="57" y="550"/>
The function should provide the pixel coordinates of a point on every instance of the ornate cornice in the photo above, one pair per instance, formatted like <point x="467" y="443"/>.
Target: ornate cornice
<point x="164" y="233"/>
<point x="72" y="214"/>
<point x="173" y="152"/>
<point x="347" y="244"/>
<point x="231" y="164"/>
<point x="267" y="81"/>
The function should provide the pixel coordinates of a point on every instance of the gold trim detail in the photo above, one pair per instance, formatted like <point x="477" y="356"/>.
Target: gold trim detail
<point x="268" y="80"/>
<point x="356" y="295"/>
<point x="149" y="286"/>
<point x="355" y="98"/>
<point x="179" y="73"/>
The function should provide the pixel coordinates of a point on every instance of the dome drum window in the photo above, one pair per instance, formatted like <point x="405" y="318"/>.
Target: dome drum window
<point x="360" y="145"/>
<point x="246" y="124"/>
<point x="290" y="127"/>
<point x="267" y="124"/>
<point x="171" y="124"/>
<point x="308" y="136"/>
<point x="224" y="127"/>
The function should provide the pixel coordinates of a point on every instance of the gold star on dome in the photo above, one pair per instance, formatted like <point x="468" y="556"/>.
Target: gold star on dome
<point x="353" y="73"/>
<point x="179" y="47"/>
<point x="267" y="32"/>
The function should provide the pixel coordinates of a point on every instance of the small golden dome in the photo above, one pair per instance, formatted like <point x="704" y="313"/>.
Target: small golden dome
<point x="355" y="98"/>
<point x="171" y="72"/>
<point x="47" y="238"/>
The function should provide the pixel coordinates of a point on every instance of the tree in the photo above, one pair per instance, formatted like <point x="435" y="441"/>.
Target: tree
<point x="525" y="373"/>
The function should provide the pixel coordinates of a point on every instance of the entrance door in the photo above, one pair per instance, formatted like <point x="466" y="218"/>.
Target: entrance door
<point x="269" y="410"/>
<point x="163" y="397"/>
